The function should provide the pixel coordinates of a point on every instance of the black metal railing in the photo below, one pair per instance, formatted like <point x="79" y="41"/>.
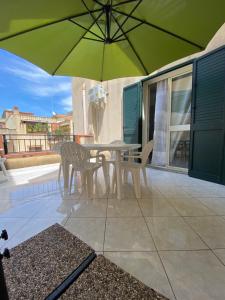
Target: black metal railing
<point x="16" y="143"/>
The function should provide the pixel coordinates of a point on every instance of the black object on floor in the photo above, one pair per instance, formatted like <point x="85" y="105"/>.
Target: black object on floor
<point x="71" y="278"/>
<point x="55" y="264"/>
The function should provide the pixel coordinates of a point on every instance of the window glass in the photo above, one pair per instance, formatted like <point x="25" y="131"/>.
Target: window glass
<point x="181" y="100"/>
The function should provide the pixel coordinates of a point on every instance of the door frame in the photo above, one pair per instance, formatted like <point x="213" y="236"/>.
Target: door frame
<point x="176" y="72"/>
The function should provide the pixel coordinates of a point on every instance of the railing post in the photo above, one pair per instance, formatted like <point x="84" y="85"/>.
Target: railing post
<point x="5" y="144"/>
<point x="74" y="138"/>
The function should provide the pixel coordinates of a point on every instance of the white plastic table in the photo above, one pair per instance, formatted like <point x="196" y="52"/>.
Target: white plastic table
<point x="118" y="148"/>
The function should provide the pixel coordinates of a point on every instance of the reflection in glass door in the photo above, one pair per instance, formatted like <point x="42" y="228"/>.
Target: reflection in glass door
<point x="179" y="125"/>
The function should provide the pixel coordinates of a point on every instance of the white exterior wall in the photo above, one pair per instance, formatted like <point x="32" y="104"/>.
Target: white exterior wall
<point x="104" y="123"/>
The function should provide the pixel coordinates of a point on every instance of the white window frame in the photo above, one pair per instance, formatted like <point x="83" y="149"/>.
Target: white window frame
<point x="145" y="108"/>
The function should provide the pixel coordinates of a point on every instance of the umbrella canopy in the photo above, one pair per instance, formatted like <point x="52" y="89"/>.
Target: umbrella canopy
<point x="106" y="39"/>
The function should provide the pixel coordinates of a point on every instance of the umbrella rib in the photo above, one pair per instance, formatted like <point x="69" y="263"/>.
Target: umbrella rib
<point x="74" y="46"/>
<point x="132" y="47"/>
<point x="120" y="40"/>
<point x="132" y="11"/>
<point x="160" y="29"/>
<point x="124" y="2"/>
<point x="46" y="25"/>
<point x="99" y="2"/>
<point x="132" y="28"/>
<point x="95" y="40"/>
<point x="93" y="17"/>
<point x="87" y="28"/>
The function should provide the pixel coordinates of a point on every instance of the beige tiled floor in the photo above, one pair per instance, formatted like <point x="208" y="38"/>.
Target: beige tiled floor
<point x="172" y="239"/>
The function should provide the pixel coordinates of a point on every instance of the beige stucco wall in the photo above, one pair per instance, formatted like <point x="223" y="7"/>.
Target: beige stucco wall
<point x="103" y="122"/>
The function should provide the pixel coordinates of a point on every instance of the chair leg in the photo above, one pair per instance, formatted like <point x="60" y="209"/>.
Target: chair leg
<point x="106" y="175"/>
<point x="60" y="170"/>
<point x="125" y="176"/>
<point x="114" y="179"/>
<point x="136" y="182"/>
<point x="90" y="184"/>
<point x="83" y="179"/>
<point x="3" y="169"/>
<point x="71" y="179"/>
<point x="144" y="175"/>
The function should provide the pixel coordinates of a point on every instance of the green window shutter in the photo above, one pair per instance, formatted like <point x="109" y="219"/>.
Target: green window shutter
<point x="208" y="116"/>
<point x="132" y="114"/>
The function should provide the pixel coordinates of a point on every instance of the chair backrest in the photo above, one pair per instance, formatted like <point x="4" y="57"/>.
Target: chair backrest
<point x="117" y="142"/>
<point x="146" y="151"/>
<point x="74" y="154"/>
<point x="57" y="147"/>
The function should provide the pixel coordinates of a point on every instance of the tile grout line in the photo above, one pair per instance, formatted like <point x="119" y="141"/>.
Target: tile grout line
<point x="105" y="226"/>
<point x="29" y="219"/>
<point x="218" y="257"/>
<point x="183" y="218"/>
<point x="157" y="251"/>
<point x="210" y="249"/>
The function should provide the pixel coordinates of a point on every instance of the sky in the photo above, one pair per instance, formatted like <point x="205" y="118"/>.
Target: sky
<point x="30" y="88"/>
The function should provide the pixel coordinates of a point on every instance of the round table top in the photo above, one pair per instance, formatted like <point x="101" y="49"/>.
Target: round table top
<point x="111" y="147"/>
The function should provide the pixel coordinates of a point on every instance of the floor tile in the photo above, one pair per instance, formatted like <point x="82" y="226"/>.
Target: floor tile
<point x="32" y="228"/>
<point x="123" y="208"/>
<point x="32" y="199"/>
<point x="211" y="229"/>
<point x="156" y="207"/>
<point x="127" y="192"/>
<point x="190" y="207"/>
<point x="221" y="254"/>
<point x="172" y="233"/>
<point x="127" y="234"/>
<point x="215" y="204"/>
<point x="89" y="208"/>
<point x="13" y="226"/>
<point x="195" y="275"/>
<point x="23" y="210"/>
<point x="55" y="209"/>
<point x="145" y="266"/>
<point x="89" y="230"/>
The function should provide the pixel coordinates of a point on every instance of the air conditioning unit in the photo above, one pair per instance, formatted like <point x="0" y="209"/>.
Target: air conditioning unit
<point x="97" y="94"/>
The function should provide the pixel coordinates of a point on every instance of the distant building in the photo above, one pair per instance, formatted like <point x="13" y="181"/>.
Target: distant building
<point x="18" y="122"/>
<point x="27" y="126"/>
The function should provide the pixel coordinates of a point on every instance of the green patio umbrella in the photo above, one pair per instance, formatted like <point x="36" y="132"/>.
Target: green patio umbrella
<point x="105" y="39"/>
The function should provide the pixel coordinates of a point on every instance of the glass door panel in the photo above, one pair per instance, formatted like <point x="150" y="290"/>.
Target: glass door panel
<point x="179" y="149"/>
<point x="180" y="116"/>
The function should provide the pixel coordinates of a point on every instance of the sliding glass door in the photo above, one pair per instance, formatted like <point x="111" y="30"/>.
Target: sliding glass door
<point x="179" y="120"/>
<point x="168" y="107"/>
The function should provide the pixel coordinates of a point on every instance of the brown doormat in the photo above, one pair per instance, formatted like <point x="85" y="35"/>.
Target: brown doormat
<point x="105" y="280"/>
<point x="39" y="265"/>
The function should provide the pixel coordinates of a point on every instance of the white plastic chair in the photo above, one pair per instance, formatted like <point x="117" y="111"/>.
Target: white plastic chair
<point x="112" y="154"/>
<point x="2" y="166"/>
<point x="112" y="158"/>
<point x="135" y="167"/>
<point x="79" y="157"/>
<point x="57" y="149"/>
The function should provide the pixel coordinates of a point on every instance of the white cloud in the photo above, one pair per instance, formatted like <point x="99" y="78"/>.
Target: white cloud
<point x="27" y="71"/>
<point x="36" y="81"/>
<point x="67" y="103"/>
<point x="46" y="89"/>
